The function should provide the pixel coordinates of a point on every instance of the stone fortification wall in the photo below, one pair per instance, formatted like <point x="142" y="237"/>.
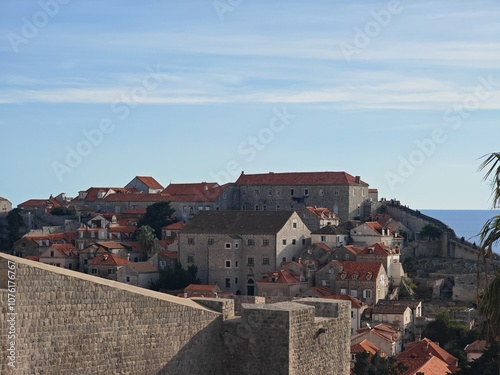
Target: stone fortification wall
<point x="72" y="323"/>
<point x="307" y="336"/>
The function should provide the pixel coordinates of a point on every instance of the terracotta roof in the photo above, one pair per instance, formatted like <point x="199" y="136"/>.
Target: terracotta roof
<point x="428" y="366"/>
<point x="281" y="277"/>
<point x="123" y="229"/>
<point x="134" y="211"/>
<point x="389" y="309"/>
<point x="365" y="271"/>
<point x="426" y="347"/>
<point x="355" y="303"/>
<point x="4" y="199"/>
<point x="238" y="222"/>
<point x="201" y="288"/>
<point x="412" y="304"/>
<point x="372" y="190"/>
<point x="322" y="212"/>
<point x="168" y="254"/>
<point x="365" y="346"/>
<point x="189" y="189"/>
<point x="32" y="203"/>
<point x="379" y="249"/>
<point x="197" y="195"/>
<point x="476" y="346"/>
<point x="353" y="249"/>
<point x="143" y="267"/>
<point x="136" y="197"/>
<point x="322" y="291"/>
<point x="109" y="260"/>
<point x="92" y="193"/>
<point x="298" y="178"/>
<point x="175" y="226"/>
<point x="33" y="257"/>
<point x="323" y="246"/>
<point x="110" y="245"/>
<point x="150" y="182"/>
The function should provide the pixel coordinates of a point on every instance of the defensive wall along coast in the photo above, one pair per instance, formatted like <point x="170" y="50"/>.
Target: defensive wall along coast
<point x="58" y="321"/>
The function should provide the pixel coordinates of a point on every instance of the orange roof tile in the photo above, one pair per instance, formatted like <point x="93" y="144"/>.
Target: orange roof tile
<point x="169" y="254"/>
<point x="33" y="257"/>
<point x="355" y="303"/>
<point x="109" y="260"/>
<point x="365" y="271"/>
<point x="298" y="178"/>
<point x="323" y="246"/>
<point x="189" y="189"/>
<point x="428" y="366"/>
<point x="150" y="182"/>
<point x="322" y="291"/>
<point x="281" y="277"/>
<point x="175" y="226"/>
<point x="365" y="346"/>
<point x="476" y="346"/>
<point x="426" y="347"/>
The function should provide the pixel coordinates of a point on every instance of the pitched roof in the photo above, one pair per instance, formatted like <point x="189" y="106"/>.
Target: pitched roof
<point x="378" y="249"/>
<point x="389" y="309"/>
<point x="175" y="226"/>
<point x="33" y="257"/>
<point x="365" y="346"/>
<point x="4" y="199"/>
<point x="169" y="254"/>
<point x="238" y="222"/>
<point x="355" y="303"/>
<point x="428" y="366"/>
<point x="298" y="178"/>
<point x="476" y="346"/>
<point x="412" y="304"/>
<point x="281" y="277"/>
<point x="143" y="267"/>
<point x="201" y="288"/>
<point x="362" y="271"/>
<point x="353" y="249"/>
<point x="330" y="229"/>
<point x="137" y="197"/>
<point x="323" y="246"/>
<point x="189" y="189"/>
<point x="322" y="291"/>
<point x="150" y="182"/>
<point x="426" y="347"/>
<point x="92" y="193"/>
<point x="322" y="212"/>
<point x="109" y="260"/>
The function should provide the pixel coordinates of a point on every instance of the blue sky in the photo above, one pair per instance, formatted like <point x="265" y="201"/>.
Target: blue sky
<point x="404" y="94"/>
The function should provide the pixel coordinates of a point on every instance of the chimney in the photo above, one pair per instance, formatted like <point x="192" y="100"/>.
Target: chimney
<point x="357" y="179"/>
<point x="425" y="347"/>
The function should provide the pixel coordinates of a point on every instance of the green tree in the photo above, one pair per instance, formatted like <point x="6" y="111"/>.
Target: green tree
<point x="146" y="237"/>
<point x="61" y="211"/>
<point x="157" y="216"/>
<point x="377" y="365"/>
<point x="15" y="222"/>
<point x="177" y="278"/>
<point x="430" y="231"/>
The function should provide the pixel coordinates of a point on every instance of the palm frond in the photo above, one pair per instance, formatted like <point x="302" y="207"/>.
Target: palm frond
<point x="488" y="308"/>
<point x="492" y="162"/>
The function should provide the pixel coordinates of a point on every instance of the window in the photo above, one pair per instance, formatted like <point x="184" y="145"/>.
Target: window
<point x="294" y="224"/>
<point x="278" y="192"/>
<point x="228" y="264"/>
<point x="284" y="259"/>
<point x="51" y="253"/>
<point x="251" y="242"/>
<point x="321" y="193"/>
<point x="303" y="241"/>
<point x="352" y="314"/>
<point x="278" y="207"/>
<point x="190" y="240"/>
<point x="362" y="192"/>
<point x="236" y="280"/>
<point x="110" y="271"/>
<point x="292" y="191"/>
<point x="250" y="261"/>
<point x="210" y="241"/>
<point x="284" y="242"/>
<point x="354" y="192"/>
<point x="346" y="256"/>
<point x="228" y="282"/>
<point x="335" y="192"/>
<point x="264" y="207"/>
<point x="291" y="207"/>
<point x="243" y="192"/>
<point x="256" y="192"/>
<point x="236" y="264"/>
<point x="70" y="266"/>
<point x="190" y="259"/>
<point x="265" y="242"/>
<point x="265" y="261"/>
<point x="236" y="245"/>
<point x="270" y="192"/>
<point x="243" y="208"/>
<point x="343" y="291"/>
<point x="367" y="293"/>
<point x="94" y="270"/>
<point x="256" y="207"/>
<point x="227" y="245"/>
<point x="85" y="261"/>
<point x="127" y="279"/>
<point x="163" y="263"/>
<point x="306" y="192"/>
<point x="294" y="241"/>
<point x="323" y="238"/>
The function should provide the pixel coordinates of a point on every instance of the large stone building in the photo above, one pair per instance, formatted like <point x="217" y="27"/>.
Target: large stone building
<point x="234" y="249"/>
<point x="340" y="192"/>
<point x="106" y="327"/>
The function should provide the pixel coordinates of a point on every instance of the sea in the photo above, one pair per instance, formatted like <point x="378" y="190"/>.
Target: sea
<point x="465" y="223"/>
